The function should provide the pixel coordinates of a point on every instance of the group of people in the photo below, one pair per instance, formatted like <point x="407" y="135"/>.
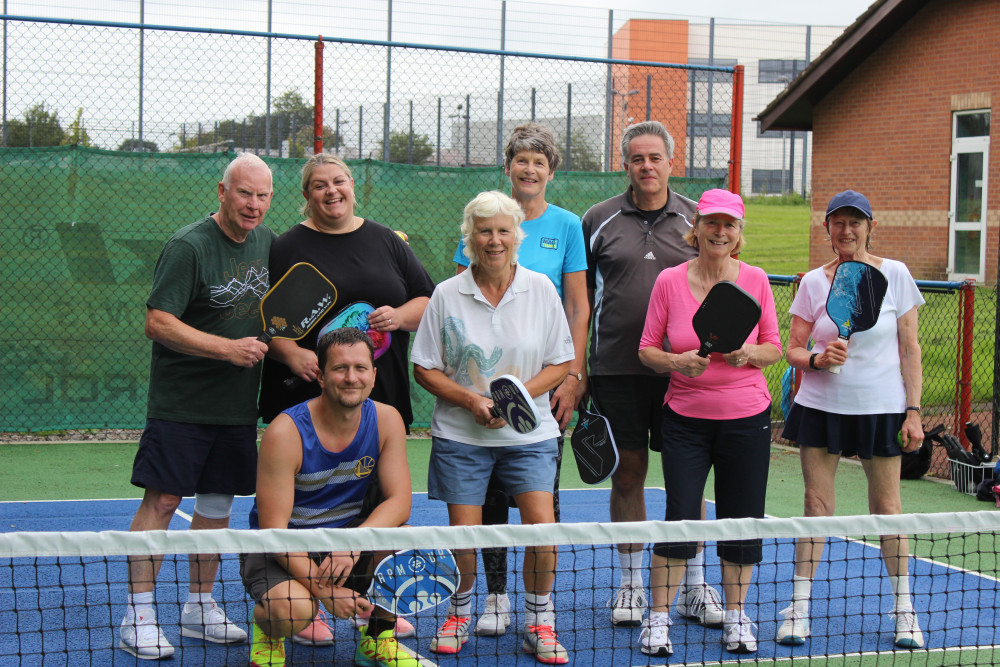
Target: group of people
<point x="533" y="281"/>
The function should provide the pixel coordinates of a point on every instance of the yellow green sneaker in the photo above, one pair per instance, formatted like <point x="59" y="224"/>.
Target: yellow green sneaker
<point x="383" y="652"/>
<point x="266" y="651"/>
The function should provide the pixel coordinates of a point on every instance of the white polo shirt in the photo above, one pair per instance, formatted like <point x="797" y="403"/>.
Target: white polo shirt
<point x="470" y="341"/>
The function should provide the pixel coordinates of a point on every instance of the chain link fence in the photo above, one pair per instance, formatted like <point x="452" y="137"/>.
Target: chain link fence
<point x="958" y="347"/>
<point x="114" y="136"/>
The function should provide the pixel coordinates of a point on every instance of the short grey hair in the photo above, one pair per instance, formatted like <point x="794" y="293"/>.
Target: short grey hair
<point x="244" y="160"/>
<point x="651" y="127"/>
<point x="486" y="205"/>
<point x="534" y="137"/>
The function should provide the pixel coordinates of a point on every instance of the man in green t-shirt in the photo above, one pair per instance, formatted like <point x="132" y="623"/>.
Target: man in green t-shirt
<point x="200" y="439"/>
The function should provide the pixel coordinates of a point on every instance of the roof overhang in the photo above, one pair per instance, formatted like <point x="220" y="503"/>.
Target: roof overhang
<point x="793" y="108"/>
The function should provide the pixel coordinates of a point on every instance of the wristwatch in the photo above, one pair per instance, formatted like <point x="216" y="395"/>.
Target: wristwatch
<point x="577" y="374"/>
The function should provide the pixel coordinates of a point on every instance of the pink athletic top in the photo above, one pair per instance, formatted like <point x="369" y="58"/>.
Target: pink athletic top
<point x="722" y="391"/>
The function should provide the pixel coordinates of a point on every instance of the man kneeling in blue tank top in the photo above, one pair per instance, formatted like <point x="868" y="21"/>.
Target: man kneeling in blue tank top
<point x="338" y="460"/>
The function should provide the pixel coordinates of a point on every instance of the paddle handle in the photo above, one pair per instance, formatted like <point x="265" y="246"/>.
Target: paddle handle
<point x="836" y="369"/>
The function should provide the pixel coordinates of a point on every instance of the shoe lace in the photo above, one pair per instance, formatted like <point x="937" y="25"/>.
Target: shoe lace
<point x="491" y="604"/>
<point x="452" y="626"/>
<point x="742" y="630"/>
<point x="628" y="597"/>
<point x="791" y="613"/>
<point x="546" y="635"/>
<point x="907" y="619"/>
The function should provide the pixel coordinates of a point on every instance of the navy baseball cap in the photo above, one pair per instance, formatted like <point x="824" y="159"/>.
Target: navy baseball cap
<point x="852" y="199"/>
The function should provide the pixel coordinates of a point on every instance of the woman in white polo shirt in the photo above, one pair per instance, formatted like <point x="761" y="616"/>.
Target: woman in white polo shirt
<point x="498" y="318"/>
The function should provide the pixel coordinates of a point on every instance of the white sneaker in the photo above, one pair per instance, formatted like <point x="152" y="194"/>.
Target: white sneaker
<point x="142" y="637"/>
<point x="738" y="634"/>
<point x="795" y="628"/>
<point x="209" y="622"/>
<point x="702" y="603"/>
<point x="540" y="640"/>
<point x="908" y="634"/>
<point x="496" y="617"/>
<point x="655" y="636"/>
<point x="628" y="606"/>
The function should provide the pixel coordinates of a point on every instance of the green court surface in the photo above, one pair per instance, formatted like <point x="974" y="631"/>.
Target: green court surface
<point x="98" y="470"/>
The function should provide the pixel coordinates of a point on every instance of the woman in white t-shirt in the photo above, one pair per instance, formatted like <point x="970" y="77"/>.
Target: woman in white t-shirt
<point x="860" y="411"/>
<point x="497" y="318"/>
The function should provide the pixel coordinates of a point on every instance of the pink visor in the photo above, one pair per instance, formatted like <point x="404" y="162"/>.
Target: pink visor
<point x="721" y="201"/>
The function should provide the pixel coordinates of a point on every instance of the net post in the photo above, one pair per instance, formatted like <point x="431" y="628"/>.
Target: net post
<point x="963" y="397"/>
<point x="736" y="131"/>
<point x="318" y="98"/>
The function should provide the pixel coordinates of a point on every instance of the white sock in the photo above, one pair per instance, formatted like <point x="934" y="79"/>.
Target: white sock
<point x="656" y="615"/>
<point x="534" y="605"/>
<point x="801" y="592"/>
<point x="461" y="603"/>
<point x="694" y="575"/>
<point x="198" y="600"/>
<point x="140" y="604"/>
<point x="632" y="570"/>
<point x="901" y="590"/>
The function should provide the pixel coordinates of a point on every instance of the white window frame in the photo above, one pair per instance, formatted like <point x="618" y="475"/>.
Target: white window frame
<point x="959" y="146"/>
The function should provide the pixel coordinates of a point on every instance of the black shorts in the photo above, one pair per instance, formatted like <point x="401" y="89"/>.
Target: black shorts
<point x="260" y="573"/>
<point x="184" y="459"/>
<point x="740" y="452"/>
<point x="863" y="436"/>
<point x="633" y="405"/>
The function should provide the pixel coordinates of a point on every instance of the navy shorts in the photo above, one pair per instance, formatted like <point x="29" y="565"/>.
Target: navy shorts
<point x="184" y="459"/>
<point x="740" y="452"/>
<point x="633" y="406"/>
<point x="863" y="436"/>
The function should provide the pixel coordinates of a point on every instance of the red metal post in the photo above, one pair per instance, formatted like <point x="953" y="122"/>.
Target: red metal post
<point x="318" y="99"/>
<point x="736" y="131"/>
<point x="963" y="393"/>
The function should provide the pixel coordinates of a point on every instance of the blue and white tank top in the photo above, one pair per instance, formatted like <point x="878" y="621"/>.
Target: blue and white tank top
<point x="331" y="486"/>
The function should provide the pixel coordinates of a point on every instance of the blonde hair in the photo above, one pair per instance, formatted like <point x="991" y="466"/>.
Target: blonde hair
<point x="691" y="236"/>
<point x="486" y="205"/>
<point x="307" y="172"/>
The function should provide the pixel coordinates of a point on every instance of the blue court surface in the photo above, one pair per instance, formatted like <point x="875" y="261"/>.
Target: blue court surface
<point x="850" y="611"/>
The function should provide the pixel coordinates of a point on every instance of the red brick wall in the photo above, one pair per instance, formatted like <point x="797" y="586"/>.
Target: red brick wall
<point x="885" y="130"/>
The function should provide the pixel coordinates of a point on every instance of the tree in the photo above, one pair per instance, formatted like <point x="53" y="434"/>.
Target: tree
<point x="304" y="139"/>
<point x="40" y="127"/>
<point x="399" y="148"/>
<point x="582" y="156"/>
<point x="137" y="146"/>
<point x="76" y="135"/>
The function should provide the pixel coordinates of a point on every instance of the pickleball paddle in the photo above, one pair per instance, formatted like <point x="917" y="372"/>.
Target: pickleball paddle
<point x="354" y="315"/>
<point x="412" y="580"/>
<point x="593" y="446"/>
<point x="513" y="403"/>
<point x="855" y="299"/>
<point x="725" y="318"/>
<point x="296" y="303"/>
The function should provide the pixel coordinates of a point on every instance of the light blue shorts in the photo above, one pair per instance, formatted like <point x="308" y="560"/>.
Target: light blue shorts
<point x="458" y="473"/>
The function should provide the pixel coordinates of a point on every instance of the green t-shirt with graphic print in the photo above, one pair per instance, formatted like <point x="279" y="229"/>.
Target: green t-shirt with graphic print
<point x="215" y="285"/>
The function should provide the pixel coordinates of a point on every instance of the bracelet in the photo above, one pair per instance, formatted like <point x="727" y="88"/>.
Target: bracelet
<point x="812" y="361"/>
<point x="915" y="408"/>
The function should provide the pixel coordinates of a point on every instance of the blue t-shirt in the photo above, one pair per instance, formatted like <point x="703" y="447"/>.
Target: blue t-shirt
<point x="553" y="245"/>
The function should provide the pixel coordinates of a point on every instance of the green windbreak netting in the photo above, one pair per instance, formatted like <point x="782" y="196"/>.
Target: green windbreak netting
<point x="80" y="231"/>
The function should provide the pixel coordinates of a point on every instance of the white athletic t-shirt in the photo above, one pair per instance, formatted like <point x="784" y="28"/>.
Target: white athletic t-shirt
<point x="464" y="336"/>
<point x="870" y="382"/>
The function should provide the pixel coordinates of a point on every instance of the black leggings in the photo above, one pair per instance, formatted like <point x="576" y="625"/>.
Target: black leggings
<point x="740" y="452"/>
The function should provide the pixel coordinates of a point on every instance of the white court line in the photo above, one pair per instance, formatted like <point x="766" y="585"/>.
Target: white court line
<point x="895" y="655"/>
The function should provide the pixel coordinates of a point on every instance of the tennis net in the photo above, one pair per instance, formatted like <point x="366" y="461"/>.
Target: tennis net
<point x="62" y="595"/>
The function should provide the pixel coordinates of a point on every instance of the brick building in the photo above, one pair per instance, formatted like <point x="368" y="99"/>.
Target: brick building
<point x="899" y="107"/>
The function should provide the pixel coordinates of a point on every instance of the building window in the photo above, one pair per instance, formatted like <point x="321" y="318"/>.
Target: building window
<point x="779" y="71"/>
<point x="771" y="181"/>
<point x="970" y="147"/>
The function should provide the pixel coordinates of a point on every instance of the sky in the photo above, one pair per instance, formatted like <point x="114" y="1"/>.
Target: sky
<point x="809" y="12"/>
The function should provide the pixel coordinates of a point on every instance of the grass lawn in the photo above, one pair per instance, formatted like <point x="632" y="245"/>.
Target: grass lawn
<point x="777" y="237"/>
